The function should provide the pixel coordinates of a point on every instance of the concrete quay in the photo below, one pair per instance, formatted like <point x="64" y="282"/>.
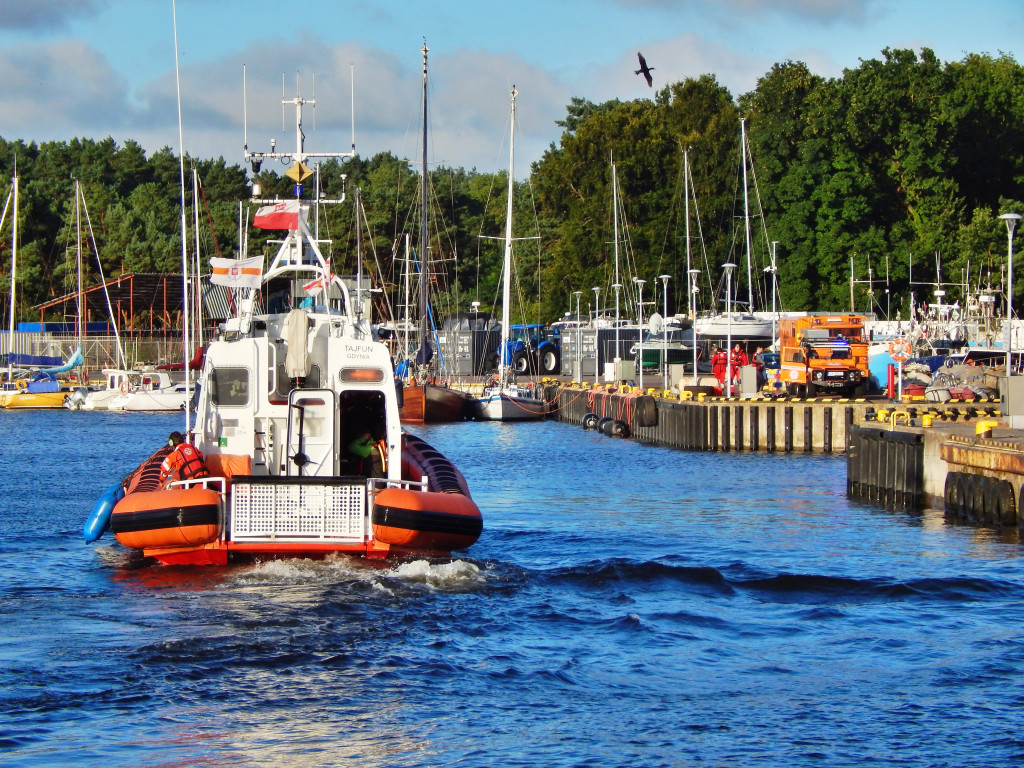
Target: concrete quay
<point x="959" y="456"/>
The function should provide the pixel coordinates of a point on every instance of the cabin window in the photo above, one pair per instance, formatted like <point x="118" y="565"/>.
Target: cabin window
<point x="793" y="356"/>
<point x="229" y="386"/>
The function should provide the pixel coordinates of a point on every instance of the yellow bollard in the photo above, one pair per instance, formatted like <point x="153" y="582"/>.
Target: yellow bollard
<point x="984" y="427"/>
<point x="883" y="414"/>
<point x="926" y="420"/>
<point x="897" y="415"/>
<point x="700" y="397"/>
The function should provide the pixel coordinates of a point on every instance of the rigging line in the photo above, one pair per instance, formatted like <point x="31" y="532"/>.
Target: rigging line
<point x="103" y="282"/>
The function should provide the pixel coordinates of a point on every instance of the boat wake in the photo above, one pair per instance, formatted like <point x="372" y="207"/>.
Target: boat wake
<point x="449" y="576"/>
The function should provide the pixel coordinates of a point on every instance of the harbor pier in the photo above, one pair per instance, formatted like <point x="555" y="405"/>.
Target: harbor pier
<point x="958" y="456"/>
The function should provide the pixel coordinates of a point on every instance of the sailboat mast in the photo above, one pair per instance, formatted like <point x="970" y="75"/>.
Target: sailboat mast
<point x="80" y="319"/>
<point x="686" y="208"/>
<point x="746" y="213"/>
<point x="506" y="283"/>
<point x="615" y="228"/>
<point x="14" y="267"/>
<point x="423" y="225"/>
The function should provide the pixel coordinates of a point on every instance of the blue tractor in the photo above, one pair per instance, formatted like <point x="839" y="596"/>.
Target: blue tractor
<point x="531" y="350"/>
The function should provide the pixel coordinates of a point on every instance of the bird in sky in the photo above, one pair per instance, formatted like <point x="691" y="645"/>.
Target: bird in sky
<point x="644" y="70"/>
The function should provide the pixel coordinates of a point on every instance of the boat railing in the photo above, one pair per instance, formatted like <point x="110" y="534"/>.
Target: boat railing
<point x="298" y="509"/>
<point x="380" y="483"/>
<point x="217" y="484"/>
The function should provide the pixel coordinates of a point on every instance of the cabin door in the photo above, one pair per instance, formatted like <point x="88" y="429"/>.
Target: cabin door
<point x="312" y="433"/>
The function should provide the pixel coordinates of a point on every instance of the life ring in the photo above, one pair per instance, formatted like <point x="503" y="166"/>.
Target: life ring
<point x="124" y="387"/>
<point x="900" y="350"/>
<point x="21" y="385"/>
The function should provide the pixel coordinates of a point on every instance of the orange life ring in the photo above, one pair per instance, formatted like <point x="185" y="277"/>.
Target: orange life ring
<point x="900" y="350"/>
<point x="124" y="387"/>
<point x="21" y="385"/>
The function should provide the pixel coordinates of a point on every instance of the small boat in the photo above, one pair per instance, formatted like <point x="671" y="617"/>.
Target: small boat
<point x="286" y="396"/>
<point x="503" y="399"/>
<point x="34" y="390"/>
<point x="150" y="391"/>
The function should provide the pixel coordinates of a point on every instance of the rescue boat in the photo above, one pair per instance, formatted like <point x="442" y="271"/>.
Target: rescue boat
<point x="283" y="396"/>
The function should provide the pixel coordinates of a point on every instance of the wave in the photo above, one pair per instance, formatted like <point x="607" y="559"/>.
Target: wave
<point x="783" y="586"/>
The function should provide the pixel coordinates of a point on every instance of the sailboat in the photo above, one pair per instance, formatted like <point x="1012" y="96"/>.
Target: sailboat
<point x="34" y="384"/>
<point x="425" y="399"/>
<point x="738" y="326"/>
<point x="503" y="399"/>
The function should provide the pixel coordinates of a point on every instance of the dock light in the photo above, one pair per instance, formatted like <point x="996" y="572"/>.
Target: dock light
<point x="693" y="274"/>
<point x="664" y="333"/>
<point x="728" y="267"/>
<point x="579" y="368"/>
<point x="1011" y="220"/>
<point x="640" y="333"/>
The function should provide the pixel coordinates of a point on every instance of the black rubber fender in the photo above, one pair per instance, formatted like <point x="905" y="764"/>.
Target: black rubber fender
<point x="590" y="420"/>
<point x="951" y="495"/>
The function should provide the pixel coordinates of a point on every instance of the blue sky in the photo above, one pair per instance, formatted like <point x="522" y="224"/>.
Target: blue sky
<point x="98" y="68"/>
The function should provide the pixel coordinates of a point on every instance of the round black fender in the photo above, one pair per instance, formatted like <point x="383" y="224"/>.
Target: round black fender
<point x="965" y="492"/>
<point x="590" y="421"/>
<point x="1005" y="503"/>
<point x="604" y="425"/>
<point x="646" y="414"/>
<point x="977" y="510"/>
<point x="951" y="495"/>
<point x="989" y="489"/>
<point x="619" y="429"/>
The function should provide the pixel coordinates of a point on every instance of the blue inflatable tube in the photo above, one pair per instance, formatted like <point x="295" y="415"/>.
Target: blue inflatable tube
<point x="99" y="519"/>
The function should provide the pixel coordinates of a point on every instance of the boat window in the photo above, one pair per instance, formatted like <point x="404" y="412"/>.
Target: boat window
<point x="313" y="378"/>
<point x="361" y="374"/>
<point x="229" y="386"/>
<point x="283" y="384"/>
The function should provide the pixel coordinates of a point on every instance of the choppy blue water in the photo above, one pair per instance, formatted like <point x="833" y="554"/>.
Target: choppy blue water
<point x="627" y="605"/>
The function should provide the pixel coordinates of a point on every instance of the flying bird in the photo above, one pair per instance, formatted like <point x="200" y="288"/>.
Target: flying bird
<point x="644" y="70"/>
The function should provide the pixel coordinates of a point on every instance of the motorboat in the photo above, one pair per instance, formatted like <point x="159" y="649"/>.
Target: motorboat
<point x="284" y="395"/>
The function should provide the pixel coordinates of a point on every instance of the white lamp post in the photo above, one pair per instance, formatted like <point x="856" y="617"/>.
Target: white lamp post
<point x="729" y="267"/>
<point x="616" y="358"/>
<point x="597" y="313"/>
<point x="664" y="331"/>
<point x="640" y="331"/>
<point x="1011" y="220"/>
<point x="774" y="271"/>
<point x="693" y="274"/>
<point x="579" y="368"/>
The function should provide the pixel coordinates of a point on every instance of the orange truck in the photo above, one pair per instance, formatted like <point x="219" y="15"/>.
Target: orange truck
<point x="824" y="353"/>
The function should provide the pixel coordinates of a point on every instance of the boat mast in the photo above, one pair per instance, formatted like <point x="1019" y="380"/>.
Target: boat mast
<point x="746" y="213"/>
<point x="506" y="284"/>
<point x="615" y="228"/>
<point x="423" y="356"/>
<point x="14" y="266"/>
<point x="80" y="320"/>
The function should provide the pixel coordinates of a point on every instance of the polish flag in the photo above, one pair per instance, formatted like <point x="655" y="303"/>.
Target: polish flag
<point x="313" y="287"/>
<point x="283" y="215"/>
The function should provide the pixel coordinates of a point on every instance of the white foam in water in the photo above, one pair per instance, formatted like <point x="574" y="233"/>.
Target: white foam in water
<point x="302" y="571"/>
<point x="457" y="573"/>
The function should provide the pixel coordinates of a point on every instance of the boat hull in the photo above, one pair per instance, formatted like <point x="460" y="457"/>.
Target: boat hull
<point x="508" y="407"/>
<point x="431" y="403"/>
<point x="18" y="399"/>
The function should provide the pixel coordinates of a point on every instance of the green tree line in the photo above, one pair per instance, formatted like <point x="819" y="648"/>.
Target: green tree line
<point x="894" y="168"/>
